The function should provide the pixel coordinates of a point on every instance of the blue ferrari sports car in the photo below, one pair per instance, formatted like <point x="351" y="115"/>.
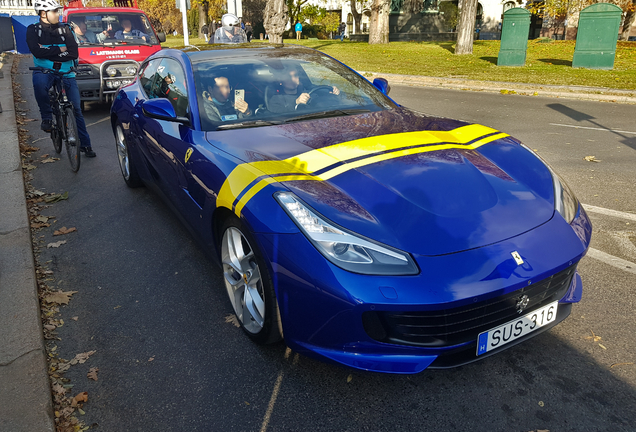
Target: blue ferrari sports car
<point x="364" y="233"/>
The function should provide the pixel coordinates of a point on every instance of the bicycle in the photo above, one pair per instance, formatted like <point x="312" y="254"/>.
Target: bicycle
<point x="63" y="121"/>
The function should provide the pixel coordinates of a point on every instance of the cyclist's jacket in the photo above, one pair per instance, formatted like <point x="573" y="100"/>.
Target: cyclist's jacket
<point x="44" y="41"/>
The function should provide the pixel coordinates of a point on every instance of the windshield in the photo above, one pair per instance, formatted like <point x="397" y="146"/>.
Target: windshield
<point x="268" y="88"/>
<point x="112" y="29"/>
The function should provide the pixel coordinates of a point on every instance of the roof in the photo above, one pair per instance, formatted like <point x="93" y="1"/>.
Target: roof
<point x="204" y="52"/>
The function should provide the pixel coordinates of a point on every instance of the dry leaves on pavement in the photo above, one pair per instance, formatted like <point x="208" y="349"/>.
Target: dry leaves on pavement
<point x="59" y="297"/>
<point x="79" y="398"/>
<point x="55" y="197"/>
<point x="64" y="230"/>
<point x="92" y="373"/>
<point x="82" y="357"/>
<point x="591" y="159"/>
<point x="57" y="244"/>
<point x="50" y="160"/>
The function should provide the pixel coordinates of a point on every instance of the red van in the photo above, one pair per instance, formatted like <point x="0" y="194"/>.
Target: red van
<point x="112" y="42"/>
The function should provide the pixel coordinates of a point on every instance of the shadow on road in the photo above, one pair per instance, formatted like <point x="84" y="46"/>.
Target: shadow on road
<point x="627" y="139"/>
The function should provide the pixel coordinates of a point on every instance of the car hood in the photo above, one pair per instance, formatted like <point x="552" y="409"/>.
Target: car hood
<point x="425" y="185"/>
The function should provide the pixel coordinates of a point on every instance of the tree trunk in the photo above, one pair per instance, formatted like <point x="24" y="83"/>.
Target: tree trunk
<point x="379" y="22"/>
<point x="275" y="20"/>
<point x="357" y="17"/>
<point x="202" y="20"/>
<point x="466" y="27"/>
<point x="627" y="26"/>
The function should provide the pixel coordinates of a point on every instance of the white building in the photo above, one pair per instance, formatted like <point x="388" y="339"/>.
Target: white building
<point x="17" y="7"/>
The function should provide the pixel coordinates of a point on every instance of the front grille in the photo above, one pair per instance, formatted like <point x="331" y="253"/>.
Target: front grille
<point x="447" y="327"/>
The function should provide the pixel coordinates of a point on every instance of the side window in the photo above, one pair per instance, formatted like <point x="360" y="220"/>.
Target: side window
<point x="148" y="76"/>
<point x="171" y="84"/>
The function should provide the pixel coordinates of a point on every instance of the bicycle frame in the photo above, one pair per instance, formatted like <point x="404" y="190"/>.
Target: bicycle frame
<point x="59" y="103"/>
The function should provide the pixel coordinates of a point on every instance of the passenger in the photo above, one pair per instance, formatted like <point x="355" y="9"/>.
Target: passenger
<point x="218" y="106"/>
<point x="85" y="36"/>
<point x="230" y="31"/>
<point x="291" y="94"/>
<point x="127" y="31"/>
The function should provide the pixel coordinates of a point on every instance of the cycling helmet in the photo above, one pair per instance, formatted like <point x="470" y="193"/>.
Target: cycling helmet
<point x="46" y="5"/>
<point x="227" y="20"/>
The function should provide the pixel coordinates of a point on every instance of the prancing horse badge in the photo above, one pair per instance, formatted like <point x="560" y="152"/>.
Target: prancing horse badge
<point x="517" y="257"/>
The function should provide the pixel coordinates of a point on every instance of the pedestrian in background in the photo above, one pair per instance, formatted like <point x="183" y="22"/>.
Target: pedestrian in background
<point x="299" y="30"/>
<point x="205" y="30"/>
<point x="341" y="29"/>
<point x="248" y="31"/>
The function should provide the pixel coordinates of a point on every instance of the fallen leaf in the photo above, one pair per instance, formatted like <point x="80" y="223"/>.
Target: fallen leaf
<point x="49" y="327"/>
<point x="50" y="160"/>
<point x="541" y="403"/>
<point x="59" y="297"/>
<point x="42" y="219"/>
<point x="63" y="367"/>
<point x="80" y="397"/>
<point x="231" y="319"/>
<point x="57" y="244"/>
<point x="92" y="373"/>
<point x="38" y="192"/>
<point x="29" y="167"/>
<point x="75" y="318"/>
<point x="39" y="225"/>
<point x="64" y="230"/>
<point x="622" y="364"/>
<point x="53" y="198"/>
<point x="58" y="389"/>
<point x="81" y="411"/>
<point x="591" y="159"/>
<point x="151" y="359"/>
<point x="82" y="357"/>
<point x="601" y="345"/>
<point x="594" y="338"/>
<point x="349" y="378"/>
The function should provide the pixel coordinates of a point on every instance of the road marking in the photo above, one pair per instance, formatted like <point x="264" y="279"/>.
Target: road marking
<point x="98" y="121"/>
<point x="593" y="128"/>
<point x="609" y="212"/>
<point x="619" y="263"/>
<point x="272" y="402"/>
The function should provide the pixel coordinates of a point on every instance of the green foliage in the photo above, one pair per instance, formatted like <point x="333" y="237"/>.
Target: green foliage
<point x="312" y="13"/>
<point x="450" y="13"/>
<point x="331" y="22"/>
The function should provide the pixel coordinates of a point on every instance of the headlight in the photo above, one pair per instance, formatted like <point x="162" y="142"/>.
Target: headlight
<point x="111" y="71"/>
<point x="345" y="249"/>
<point x="564" y="200"/>
<point x="131" y="70"/>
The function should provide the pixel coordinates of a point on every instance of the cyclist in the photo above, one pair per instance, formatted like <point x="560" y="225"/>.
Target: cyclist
<point x="54" y="47"/>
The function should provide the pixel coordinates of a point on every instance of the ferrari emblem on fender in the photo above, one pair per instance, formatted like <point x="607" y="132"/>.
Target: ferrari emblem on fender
<point x="522" y="303"/>
<point x="515" y="255"/>
<point x="188" y="154"/>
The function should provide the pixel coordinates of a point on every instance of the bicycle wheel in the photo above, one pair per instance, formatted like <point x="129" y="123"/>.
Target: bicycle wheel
<point x="56" y="136"/>
<point x="72" y="139"/>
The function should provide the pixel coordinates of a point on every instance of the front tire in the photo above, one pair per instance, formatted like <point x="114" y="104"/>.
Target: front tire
<point x="248" y="284"/>
<point x="55" y="133"/>
<point x="72" y="139"/>
<point x="128" y="169"/>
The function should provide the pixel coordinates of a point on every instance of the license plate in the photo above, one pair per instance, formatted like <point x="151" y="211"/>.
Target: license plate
<point x="506" y="333"/>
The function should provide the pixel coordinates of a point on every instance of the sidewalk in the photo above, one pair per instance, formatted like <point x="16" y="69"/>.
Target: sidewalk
<point x="567" y="92"/>
<point x="25" y="396"/>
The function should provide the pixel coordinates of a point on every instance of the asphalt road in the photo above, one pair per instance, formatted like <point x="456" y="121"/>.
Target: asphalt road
<point x="147" y="291"/>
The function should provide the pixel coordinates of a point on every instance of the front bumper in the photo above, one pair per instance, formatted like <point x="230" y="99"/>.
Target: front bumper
<point x="322" y="306"/>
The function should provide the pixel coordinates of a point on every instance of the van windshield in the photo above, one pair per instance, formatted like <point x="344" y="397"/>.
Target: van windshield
<point x="112" y="29"/>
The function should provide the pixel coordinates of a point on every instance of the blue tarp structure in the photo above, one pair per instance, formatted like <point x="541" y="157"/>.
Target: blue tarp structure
<point x="20" y="24"/>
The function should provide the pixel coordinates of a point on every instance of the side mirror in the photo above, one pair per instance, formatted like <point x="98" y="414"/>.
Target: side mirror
<point x="161" y="36"/>
<point x="162" y="109"/>
<point x="383" y="85"/>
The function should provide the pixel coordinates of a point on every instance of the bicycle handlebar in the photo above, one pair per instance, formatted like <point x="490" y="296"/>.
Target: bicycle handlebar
<point x="53" y="71"/>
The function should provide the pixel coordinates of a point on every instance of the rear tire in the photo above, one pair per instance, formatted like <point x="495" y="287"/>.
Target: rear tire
<point x="248" y="284"/>
<point x="126" y="164"/>
<point x="72" y="139"/>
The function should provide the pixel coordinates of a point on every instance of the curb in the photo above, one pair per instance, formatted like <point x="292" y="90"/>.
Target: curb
<point x="25" y="396"/>
<point x="601" y="94"/>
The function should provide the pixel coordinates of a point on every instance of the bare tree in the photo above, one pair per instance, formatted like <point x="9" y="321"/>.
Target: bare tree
<point x="275" y="20"/>
<point x="466" y="27"/>
<point x="630" y="16"/>
<point x="357" y="17"/>
<point x="379" y="22"/>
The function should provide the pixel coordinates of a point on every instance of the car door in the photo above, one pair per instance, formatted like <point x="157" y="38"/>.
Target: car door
<point x="165" y="141"/>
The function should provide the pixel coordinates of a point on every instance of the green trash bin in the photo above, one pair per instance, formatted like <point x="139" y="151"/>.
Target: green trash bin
<point x="514" y="37"/>
<point x="597" y="36"/>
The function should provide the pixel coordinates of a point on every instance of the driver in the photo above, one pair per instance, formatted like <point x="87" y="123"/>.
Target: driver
<point x="218" y="106"/>
<point x="85" y="36"/>
<point x="127" y="31"/>
<point x="291" y="94"/>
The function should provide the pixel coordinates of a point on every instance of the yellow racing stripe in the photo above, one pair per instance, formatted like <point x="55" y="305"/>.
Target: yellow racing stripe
<point x="302" y="167"/>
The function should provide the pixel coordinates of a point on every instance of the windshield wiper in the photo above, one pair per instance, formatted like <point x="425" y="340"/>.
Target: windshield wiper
<point x="248" y="124"/>
<point x="325" y="114"/>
